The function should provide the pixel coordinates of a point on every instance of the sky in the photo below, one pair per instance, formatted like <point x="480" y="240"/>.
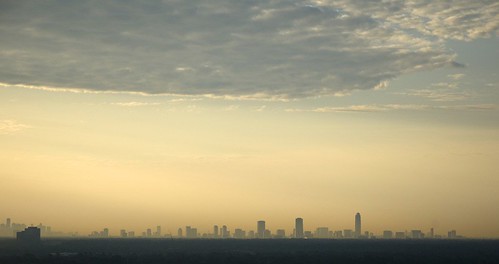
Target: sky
<point x="132" y="114"/>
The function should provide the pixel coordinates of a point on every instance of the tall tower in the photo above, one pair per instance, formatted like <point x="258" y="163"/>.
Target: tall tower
<point x="8" y="223"/>
<point x="358" y="225"/>
<point x="261" y="229"/>
<point x="299" y="227"/>
<point x="215" y="231"/>
<point x="225" y="231"/>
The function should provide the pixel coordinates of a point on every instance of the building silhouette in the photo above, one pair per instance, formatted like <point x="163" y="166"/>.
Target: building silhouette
<point x="260" y="227"/>
<point x="225" y="232"/>
<point x="416" y="234"/>
<point x="239" y="233"/>
<point x="387" y="234"/>
<point x="280" y="233"/>
<point x="400" y="235"/>
<point x="322" y="232"/>
<point x="299" y="228"/>
<point x="358" y="225"/>
<point x="348" y="233"/>
<point x="215" y="231"/>
<point x="30" y="234"/>
<point x="191" y="232"/>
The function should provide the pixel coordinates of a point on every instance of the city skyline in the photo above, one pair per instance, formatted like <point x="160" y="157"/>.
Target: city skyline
<point x="133" y="114"/>
<point x="9" y="229"/>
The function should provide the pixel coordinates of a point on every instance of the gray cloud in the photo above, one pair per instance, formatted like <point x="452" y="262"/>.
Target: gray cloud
<point x="232" y="49"/>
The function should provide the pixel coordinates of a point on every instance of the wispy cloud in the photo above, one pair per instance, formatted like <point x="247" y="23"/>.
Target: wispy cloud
<point x="135" y="104"/>
<point x="232" y="50"/>
<point x="394" y="107"/>
<point x="457" y="76"/>
<point x="441" y="95"/>
<point x="11" y="126"/>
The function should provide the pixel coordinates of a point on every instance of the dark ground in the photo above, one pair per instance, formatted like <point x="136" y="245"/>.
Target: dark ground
<point x="249" y="251"/>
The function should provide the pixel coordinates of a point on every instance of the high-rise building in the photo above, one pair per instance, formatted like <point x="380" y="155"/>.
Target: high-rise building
<point x="280" y="233"/>
<point x="387" y="234"/>
<point x="158" y="231"/>
<point x="105" y="232"/>
<point x="416" y="234"/>
<point x="400" y="235"/>
<point x="215" y="231"/>
<point x="179" y="232"/>
<point x="149" y="232"/>
<point x="322" y="232"/>
<point x="123" y="233"/>
<point x="267" y="234"/>
<point x="452" y="234"/>
<point x="239" y="233"/>
<point x="358" y="225"/>
<point x="260" y="227"/>
<point x="30" y="234"/>
<point x="193" y="233"/>
<point x="7" y="223"/>
<point x="299" y="228"/>
<point x="225" y="232"/>
<point x="348" y="233"/>
<point x="131" y="234"/>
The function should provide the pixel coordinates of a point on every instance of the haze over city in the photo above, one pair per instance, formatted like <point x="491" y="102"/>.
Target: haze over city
<point x="132" y="115"/>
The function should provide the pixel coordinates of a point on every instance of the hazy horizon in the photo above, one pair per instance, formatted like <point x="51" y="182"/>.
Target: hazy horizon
<point x="174" y="113"/>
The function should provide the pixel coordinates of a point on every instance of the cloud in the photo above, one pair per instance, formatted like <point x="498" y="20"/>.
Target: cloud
<point x="441" y="95"/>
<point x="395" y="107"/>
<point x="135" y="104"/>
<point x="11" y="127"/>
<point x="250" y="49"/>
<point x="457" y="76"/>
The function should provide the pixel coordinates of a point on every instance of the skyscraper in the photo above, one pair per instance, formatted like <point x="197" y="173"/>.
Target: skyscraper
<point x="260" y="229"/>
<point x="299" y="227"/>
<point x="105" y="232"/>
<point x="158" y="231"/>
<point x="225" y="231"/>
<point x="358" y="225"/>
<point x="215" y="231"/>
<point x="7" y="224"/>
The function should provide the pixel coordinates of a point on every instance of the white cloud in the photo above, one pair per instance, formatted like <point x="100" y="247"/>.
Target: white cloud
<point x="11" y="126"/>
<point x="395" y="107"/>
<point x="135" y="104"/>
<point x="254" y="50"/>
<point x="441" y="95"/>
<point x="457" y="76"/>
